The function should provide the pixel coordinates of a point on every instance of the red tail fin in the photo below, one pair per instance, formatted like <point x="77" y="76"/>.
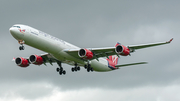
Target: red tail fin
<point x="113" y="60"/>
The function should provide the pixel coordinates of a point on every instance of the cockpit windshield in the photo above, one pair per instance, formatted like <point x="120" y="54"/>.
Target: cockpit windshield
<point x="17" y="26"/>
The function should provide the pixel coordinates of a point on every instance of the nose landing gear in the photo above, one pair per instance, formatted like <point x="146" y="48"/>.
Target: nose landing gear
<point x="21" y="47"/>
<point x="21" y="42"/>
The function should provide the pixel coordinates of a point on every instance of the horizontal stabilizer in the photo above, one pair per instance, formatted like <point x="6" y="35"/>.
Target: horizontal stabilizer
<point x="131" y="64"/>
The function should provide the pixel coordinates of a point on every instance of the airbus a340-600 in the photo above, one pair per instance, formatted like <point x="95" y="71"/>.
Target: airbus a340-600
<point x="58" y="51"/>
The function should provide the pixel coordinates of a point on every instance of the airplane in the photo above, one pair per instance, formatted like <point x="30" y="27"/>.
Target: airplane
<point x="59" y="51"/>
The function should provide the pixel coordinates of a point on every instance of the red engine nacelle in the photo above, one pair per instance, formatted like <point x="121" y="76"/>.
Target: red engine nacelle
<point x="85" y="54"/>
<point x="122" y="50"/>
<point x="35" y="59"/>
<point x="22" y="62"/>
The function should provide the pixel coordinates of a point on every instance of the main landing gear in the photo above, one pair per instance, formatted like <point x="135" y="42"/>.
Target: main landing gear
<point x="60" y="69"/>
<point x="76" y="68"/>
<point x="89" y="68"/>
<point x="73" y="69"/>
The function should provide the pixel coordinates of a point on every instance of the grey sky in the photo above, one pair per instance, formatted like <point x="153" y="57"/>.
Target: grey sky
<point x="94" y="24"/>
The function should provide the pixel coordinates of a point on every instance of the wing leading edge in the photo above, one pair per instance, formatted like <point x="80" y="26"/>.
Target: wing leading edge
<point x="149" y="45"/>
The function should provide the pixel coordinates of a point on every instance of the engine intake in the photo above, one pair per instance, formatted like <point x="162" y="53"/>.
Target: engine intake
<point x="122" y="50"/>
<point x="35" y="59"/>
<point x="22" y="62"/>
<point x="85" y="54"/>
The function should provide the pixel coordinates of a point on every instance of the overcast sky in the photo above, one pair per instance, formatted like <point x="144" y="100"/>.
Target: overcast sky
<point x="91" y="24"/>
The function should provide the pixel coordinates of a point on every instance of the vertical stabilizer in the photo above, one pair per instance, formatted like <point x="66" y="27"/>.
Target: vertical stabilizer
<point x="113" y="60"/>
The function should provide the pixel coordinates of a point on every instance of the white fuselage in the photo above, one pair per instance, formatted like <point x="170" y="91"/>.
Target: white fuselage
<point x="54" y="46"/>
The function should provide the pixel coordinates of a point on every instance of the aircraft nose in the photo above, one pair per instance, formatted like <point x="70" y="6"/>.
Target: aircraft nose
<point x="13" y="31"/>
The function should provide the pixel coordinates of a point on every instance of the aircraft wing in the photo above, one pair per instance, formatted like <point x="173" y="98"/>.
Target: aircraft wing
<point x="97" y="52"/>
<point x="148" y="45"/>
<point x="108" y="51"/>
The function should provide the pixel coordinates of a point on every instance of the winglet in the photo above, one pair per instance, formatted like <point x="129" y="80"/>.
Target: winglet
<point x="170" y="41"/>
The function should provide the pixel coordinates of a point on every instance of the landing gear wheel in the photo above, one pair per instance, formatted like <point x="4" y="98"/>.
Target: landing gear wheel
<point x="64" y="72"/>
<point x="92" y="70"/>
<point x="21" y="47"/>
<point x="78" y="68"/>
<point x="57" y="69"/>
<point x="72" y="69"/>
<point x="88" y="69"/>
<point x="85" y="66"/>
<point x="60" y="72"/>
<point x="75" y="69"/>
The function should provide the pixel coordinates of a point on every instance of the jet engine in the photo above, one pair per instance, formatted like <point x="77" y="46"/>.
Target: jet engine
<point x="122" y="50"/>
<point x="85" y="54"/>
<point x="35" y="59"/>
<point x="22" y="62"/>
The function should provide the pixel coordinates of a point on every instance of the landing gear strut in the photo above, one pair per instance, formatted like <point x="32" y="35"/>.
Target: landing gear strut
<point x="60" y="69"/>
<point x="76" y="68"/>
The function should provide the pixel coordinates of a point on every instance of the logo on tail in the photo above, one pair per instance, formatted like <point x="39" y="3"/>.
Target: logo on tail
<point x="113" y="60"/>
